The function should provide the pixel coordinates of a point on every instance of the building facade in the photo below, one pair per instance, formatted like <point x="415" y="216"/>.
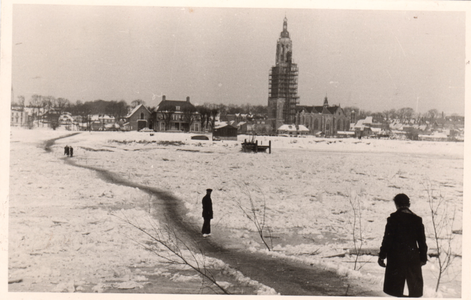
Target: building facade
<point x="324" y="119"/>
<point x="176" y="115"/>
<point x="138" y="118"/>
<point x="19" y="116"/>
<point x="283" y="83"/>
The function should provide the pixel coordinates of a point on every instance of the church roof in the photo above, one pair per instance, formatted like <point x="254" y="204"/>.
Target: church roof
<point x="310" y="109"/>
<point x="333" y="109"/>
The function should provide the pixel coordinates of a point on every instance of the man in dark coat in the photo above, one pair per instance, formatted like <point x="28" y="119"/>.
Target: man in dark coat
<point x="405" y="249"/>
<point x="207" y="213"/>
<point x="71" y="150"/>
<point x="66" y="150"/>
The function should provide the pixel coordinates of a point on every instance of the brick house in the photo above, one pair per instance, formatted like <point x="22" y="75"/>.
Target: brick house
<point x="176" y="115"/>
<point x="140" y="117"/>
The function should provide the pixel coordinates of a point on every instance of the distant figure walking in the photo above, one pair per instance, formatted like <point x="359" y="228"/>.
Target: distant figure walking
<point x="207" y="213"/>
<point x="71" y="150"/>
<point x="66" y="150"/>
<point x="405" y="250"/>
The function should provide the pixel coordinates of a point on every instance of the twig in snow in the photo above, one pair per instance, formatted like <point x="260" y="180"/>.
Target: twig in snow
<point x="256" y="213"/>
<point x="175" y="247"/>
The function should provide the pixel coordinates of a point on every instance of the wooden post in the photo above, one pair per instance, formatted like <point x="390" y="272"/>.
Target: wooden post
<point x="256" y="146"/>
<point x="269" y="147"/>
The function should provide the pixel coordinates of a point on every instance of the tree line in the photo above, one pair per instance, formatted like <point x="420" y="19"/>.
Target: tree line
<point x="120" y="108"/>
<point x="208" y="111"/>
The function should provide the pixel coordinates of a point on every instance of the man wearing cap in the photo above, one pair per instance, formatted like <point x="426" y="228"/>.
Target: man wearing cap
<point x="207" y="213"/>
<point x="405" y="250"/>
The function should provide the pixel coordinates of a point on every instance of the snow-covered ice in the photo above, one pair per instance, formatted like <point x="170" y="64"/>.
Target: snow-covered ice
<point x="62" y="236"/>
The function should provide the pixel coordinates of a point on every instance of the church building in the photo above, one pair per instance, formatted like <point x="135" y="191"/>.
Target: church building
<point x="283" y="83"/>
<point x="283" y="99"/>
<point x="324" y="119"/>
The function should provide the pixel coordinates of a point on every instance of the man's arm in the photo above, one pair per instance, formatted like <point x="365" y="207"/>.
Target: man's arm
<point x="387" y="240"/>
<point x="422" y="243"/>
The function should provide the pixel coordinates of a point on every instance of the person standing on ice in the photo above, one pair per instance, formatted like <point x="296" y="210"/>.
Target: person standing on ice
<point x="71" y="150"/>
<point x="405" y="250"/>
<point x="66" y="150"/>
<point x="207" y="213"/>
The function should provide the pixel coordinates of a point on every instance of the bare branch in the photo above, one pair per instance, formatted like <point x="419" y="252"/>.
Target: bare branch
<point x="172" y="243"/>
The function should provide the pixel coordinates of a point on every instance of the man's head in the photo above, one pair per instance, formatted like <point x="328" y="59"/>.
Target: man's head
<point x="401" y="201"/>
<point x="208" y="191"/>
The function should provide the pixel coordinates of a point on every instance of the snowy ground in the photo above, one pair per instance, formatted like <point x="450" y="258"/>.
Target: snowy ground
<point x="60" y="215"/>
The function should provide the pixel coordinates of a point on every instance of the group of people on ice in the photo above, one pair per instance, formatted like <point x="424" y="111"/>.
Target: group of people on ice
<point x="403" y="247"/>
<point x="68" y="150"/>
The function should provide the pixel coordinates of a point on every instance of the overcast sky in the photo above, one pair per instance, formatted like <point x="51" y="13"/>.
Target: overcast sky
<point x="373" y="59"/>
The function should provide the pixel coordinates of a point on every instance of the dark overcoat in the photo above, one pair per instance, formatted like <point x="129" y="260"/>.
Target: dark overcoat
<point x="405" y="249"/>
<point x="207" y="207"/>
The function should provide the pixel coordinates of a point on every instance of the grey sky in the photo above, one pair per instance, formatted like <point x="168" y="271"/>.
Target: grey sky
<point x="372" y="59"/>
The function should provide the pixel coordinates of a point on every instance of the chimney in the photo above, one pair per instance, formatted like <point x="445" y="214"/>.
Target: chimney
<point x="163" y="97"/>
<point x="188" y="99"/>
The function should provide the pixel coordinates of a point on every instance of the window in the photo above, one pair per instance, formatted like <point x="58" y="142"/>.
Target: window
<point x="142" y="115"/>
<point x="177" y="108"/>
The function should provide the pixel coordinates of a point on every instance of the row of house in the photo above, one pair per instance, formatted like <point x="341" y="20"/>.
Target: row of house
<point x="412" y="130"/>
<point x="25" y="116"/>
<point x="181" y="115"/>
<point x="170" y="115"/>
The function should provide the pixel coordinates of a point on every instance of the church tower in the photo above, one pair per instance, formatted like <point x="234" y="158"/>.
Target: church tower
<point x="283" y="83"/>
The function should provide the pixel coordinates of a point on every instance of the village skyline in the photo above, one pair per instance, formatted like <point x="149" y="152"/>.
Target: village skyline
<point x="356" y="58"/>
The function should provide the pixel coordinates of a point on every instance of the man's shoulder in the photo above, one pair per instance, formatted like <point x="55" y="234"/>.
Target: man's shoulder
<point x="404" y="215"/>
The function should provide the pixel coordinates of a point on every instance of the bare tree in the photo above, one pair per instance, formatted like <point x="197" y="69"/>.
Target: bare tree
<point x="442" y="225"/>
<point x="405" y="114"/>
<point x="47" y="102"/>
<point x="165" y="113"/>
<point x="205" y="115"/>
<point x="117" y="109"/>
<point x="189" y="115"/>
<point x="61" y="104"/>
<point x="357" y="226"/>
<point x="256" y="212"/>
<point x="432" y="114"/>
<point x="35" y="103"/>
<point x="213" y="113"/>
<point x="137" y="102"/>
<point x="21" y="101"/>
